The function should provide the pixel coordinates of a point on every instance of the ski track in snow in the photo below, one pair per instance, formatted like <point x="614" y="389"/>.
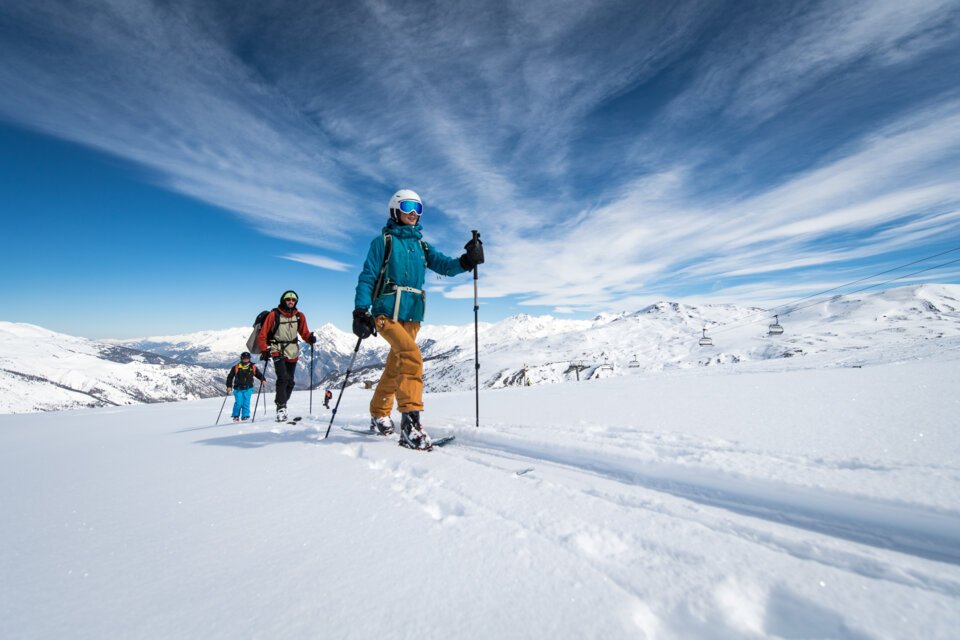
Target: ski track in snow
<point x="850" y="561"/>
<point x="900" y="527"/>
<point x="447" y="503"/>
<point x="436" y="490"/>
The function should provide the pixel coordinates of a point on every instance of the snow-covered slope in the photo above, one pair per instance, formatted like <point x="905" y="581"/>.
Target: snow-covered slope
<point x="41" y="370"/>
<point x="766" y="500"/>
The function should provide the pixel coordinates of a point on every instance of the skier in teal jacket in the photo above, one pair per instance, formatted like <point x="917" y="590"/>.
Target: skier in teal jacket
<point x="398" y="308"/>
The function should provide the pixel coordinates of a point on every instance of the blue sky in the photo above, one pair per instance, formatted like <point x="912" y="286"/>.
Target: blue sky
<point x="171" y="167"/>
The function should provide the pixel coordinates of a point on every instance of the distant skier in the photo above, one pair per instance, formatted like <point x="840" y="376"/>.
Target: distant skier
<point x="327" y="396"/>
<point x="240" y="381"/>
<point x="398" y="307"/>
<point x="278" y="340"/>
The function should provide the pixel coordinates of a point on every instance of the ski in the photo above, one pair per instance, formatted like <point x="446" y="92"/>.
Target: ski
<point x="295" y="420"/>
<point x="363" y="432"/>
<point x="439" y="442"/>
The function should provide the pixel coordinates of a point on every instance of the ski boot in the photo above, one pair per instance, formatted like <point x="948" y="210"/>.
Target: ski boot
<point x="412" y="434"/>
<point x="382" y="425"/>
<point x="281" y="414"/>
<point x="236" y="419"/>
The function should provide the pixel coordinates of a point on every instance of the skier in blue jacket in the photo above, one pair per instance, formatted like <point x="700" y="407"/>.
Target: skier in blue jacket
<point x="397" y="310"/>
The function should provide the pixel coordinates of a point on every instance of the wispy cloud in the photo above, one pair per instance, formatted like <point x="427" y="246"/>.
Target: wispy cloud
<point x="322" y="262"/>
<point x="144" y="83"/>
<point x="754" y="73"/>
<point x="276" y="134"/>
<point x="899" y="186"/>
<point x="302" y="121"/>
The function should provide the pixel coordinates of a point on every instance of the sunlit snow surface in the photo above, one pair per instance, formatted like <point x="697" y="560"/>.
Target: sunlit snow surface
<point x="774" y="498"/>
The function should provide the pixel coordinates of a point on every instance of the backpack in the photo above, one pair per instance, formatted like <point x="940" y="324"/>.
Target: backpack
<point x="383" y="278"/>
<point x="258" y="323"/>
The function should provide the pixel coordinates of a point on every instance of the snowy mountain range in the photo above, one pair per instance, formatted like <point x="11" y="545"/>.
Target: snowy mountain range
<point x="42" y="370"/>
<point x="527" y="349"/>
<point x="850" y="330"/>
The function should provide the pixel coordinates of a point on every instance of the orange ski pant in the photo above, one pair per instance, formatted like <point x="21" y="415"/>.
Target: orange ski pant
<point x="403" y="376"/>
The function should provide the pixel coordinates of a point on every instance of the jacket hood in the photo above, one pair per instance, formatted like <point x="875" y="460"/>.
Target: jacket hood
<point x="280" y="304"/>
<point x="403" y="230"/>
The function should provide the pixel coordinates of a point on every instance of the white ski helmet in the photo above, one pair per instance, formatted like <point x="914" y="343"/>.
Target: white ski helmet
<point x="404" y="195"/>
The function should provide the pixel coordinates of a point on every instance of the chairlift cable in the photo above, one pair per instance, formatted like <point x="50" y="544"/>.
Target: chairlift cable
<point x="766" y="312"/>
<point x="880" y="284"/>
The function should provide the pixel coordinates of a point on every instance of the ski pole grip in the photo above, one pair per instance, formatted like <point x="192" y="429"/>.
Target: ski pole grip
<point x="476" y="236"/>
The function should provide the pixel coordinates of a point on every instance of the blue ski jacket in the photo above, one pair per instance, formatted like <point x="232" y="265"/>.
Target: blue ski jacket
<point x="407" y="268"/>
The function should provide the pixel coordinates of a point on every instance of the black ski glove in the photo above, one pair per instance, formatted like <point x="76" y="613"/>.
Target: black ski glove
<point x="363" y="326"/>
<point x="312" y="339"/>
<point x="473" y="256"/>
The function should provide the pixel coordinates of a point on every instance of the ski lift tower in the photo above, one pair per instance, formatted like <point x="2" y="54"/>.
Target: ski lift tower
<point x="578" y="367"/>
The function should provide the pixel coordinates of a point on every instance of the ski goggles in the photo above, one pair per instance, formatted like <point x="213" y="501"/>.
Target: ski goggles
<point x="410" y="206"/>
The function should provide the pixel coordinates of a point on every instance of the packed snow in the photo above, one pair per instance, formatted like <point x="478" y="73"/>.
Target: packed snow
<point x="778" y="498"/>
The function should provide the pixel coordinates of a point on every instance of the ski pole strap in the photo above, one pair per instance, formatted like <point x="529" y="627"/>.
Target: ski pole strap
<point x="399" y="291"/>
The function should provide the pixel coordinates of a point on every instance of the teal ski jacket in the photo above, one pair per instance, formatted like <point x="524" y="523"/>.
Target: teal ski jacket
<point x="407" y="268"/>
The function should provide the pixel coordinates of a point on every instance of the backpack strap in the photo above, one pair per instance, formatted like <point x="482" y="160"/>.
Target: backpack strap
<point x="276" y="325"/>
<point x="426" y="251"/>
<point x="382" y="278"/>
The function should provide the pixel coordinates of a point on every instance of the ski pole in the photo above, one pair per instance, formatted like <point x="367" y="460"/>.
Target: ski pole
<point x="257" y="403"/>
<point x="221" y="409"/>
<point x="345" y="376"/>
<point x="476" y="334"/>
<point x="311" y="378"/>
